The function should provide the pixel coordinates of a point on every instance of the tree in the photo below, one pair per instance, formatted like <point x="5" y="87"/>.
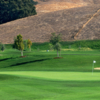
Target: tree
<point x="15" y="9"/>
<point x="29" y="43"/>
<point x="55" y="39"/>
<point x="14" y="45"/>
<point x="2" y="47"/>
<point x="50" y="46"/>
<point x="57" y="47"/>
<point x="25" y="43"/>
<point x="19" y="43"/>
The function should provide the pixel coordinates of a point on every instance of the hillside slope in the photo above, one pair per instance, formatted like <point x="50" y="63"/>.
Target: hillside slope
<point x="92" y="29"/>
<point x="54" y="5"/>
<point x="38" y="28"/>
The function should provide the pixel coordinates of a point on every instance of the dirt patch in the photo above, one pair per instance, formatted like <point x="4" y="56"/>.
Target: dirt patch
<point x="97" y="68"/>
<point x="22" y="56"/>
<point x="58" y="57"/>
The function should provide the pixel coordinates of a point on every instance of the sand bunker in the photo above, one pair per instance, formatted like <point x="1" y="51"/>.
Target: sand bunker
<point x="97" y="68"/>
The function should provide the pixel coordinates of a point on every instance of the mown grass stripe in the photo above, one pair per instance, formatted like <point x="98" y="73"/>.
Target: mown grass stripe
<point x="51" y="75"/>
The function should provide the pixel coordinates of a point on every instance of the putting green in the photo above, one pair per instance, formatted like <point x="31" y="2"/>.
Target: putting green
<point x="51" y="75"/>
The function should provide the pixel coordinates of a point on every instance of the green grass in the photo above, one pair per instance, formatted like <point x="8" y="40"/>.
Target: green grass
<point x="78" y="61"/>
<point x="21" y="88"/>
<point x="61" y="76"/>
<point x="92" y="44"/>
<point x="39" y="76"/>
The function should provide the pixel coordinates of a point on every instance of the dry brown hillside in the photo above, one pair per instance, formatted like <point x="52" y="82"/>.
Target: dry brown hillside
<point x="74" y="23"/>
<point x="55" y="5"/>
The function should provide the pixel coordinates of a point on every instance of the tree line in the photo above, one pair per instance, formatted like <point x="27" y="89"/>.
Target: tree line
<point x="21" y="44"/>
<point x="15" y="9"/>
<point x="54" y="43"/>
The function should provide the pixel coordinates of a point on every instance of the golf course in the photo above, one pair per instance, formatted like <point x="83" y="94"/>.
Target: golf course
<point x="49" y="49"/>
<point x="40" y="76"/>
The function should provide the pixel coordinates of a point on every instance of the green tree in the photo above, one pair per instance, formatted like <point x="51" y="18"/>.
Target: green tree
<point x="57" y="47"/>
<point x="55" y="39"/>
<point x="19" y="43"/>
<point x="14" y="45"/>
<point x="29" y="43"/>
<point x="51" y="46"/>
<point x="15" y="9"/>
<point x="0" y="44"/>
<point x="2" y="47"/>
<point x="25" y="43"/>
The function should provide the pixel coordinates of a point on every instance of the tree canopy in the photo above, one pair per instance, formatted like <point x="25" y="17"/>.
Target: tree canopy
<point x="55" y="38"/>
<point x="19" y="42"/>
<point x="15" y="9"/>
<point x="29" y="43"/>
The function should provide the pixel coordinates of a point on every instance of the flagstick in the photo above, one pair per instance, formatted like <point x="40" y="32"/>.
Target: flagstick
<point x="92" y="68"/>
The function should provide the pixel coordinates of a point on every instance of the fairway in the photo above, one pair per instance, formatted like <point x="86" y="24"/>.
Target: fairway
<point x="37" y="85"/>
<point x="61" y="76"/>
<point x="39" y="76"/>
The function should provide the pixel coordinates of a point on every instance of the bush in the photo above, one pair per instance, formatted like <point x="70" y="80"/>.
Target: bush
<point x="15" y="9"/>
<point x="2" y="47"/>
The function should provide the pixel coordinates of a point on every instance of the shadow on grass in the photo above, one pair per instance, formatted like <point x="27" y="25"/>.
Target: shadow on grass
<point x="5" y="59"/>
<point x="17" y="64"/>
<point x="8" y="58"/>
<point x="66" y="83"/>
<point x="8" y="77"/>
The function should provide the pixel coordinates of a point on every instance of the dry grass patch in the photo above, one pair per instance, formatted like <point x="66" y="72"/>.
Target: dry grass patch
<point x="55" y="6"/>
<point x="75" y="49"/>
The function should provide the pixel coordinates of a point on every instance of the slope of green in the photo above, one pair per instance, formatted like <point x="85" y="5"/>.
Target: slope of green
<point x="57" y="76"/>
<point x="20" y="88"/>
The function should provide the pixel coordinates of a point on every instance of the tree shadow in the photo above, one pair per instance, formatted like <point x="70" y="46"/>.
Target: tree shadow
<point x="17" y="64"/>
<point x="5" y="59"/>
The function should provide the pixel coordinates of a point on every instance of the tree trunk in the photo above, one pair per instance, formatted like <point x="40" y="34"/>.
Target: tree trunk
<point x="57" y="54"/>
<point x="60" y="53"/>
<point x="21" y="52"/>
<point x="30" y="48"/>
